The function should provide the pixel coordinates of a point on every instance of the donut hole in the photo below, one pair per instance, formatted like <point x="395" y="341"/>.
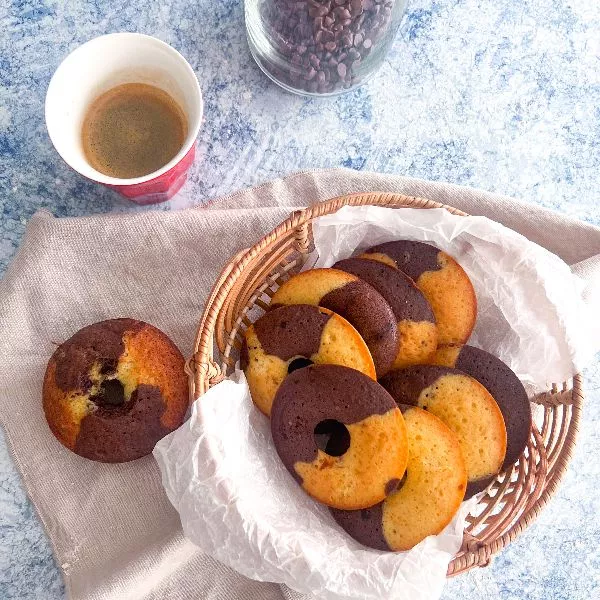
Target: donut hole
<point x="299" y="363"/>
<point x="110" y="395"/>
<point x="332" y="437"/>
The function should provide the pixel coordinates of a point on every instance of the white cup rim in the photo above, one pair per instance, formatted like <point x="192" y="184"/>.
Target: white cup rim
<point x="193" y="128"/>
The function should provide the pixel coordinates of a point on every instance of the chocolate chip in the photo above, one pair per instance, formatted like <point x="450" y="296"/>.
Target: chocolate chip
<point x="391" y="486"/>
<point x="108" y="367"/>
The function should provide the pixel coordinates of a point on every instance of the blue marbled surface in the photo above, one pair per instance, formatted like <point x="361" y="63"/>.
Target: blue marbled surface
<point x="497" y="94"/>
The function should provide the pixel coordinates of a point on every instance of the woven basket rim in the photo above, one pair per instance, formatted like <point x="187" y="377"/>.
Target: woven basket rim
<point x="204" y="371"/>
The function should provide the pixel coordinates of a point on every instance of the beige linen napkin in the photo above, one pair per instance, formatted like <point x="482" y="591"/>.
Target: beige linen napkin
<point x="113" y="531"/>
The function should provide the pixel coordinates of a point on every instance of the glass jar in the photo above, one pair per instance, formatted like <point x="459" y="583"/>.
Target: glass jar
<point x="321" y="47"/>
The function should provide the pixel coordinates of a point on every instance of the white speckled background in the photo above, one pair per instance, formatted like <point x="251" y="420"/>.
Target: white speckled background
<point x="498" y="94"/>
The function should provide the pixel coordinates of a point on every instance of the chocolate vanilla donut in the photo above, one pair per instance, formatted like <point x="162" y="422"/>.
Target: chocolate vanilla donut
<point x="292" y="337"/>
<point x="502" y="383"/>
<point x="340" y="435"/>
<point x="416" y="323"/>
<point x="114" y="389"/>
<point x="353" y="299"/>
<point x="465" y="406"/>
<point x="428" y="496"/>
<point x="441" y="279"/>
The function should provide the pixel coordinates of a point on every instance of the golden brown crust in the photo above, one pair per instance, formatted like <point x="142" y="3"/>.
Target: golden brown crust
<point x="445" y="356"/>
<point x="441" y="279"/>
<point x="428" y="496"/>
<point x="59" y="408"/>
<point x="436" y="478"/>
<point x="418" y="341"/>
<point x="340" y="435"/>
<point x="465" y="406"/>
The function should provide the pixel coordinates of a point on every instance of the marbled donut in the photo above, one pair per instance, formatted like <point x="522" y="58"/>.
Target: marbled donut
<point x="465" y="406"/>
<point x="340" y="435"/>
<point x="428" y="496"/>
<point x="416" y="323"/>
<point x="441" y="279"/>
<point x="502" y="383"/>
<point x="290" y="337"/>
<point x="114" y="389"/>
<point x="353" y="299"/>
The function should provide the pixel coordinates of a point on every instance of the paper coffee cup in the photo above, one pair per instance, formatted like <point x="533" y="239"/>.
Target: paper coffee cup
<point x="102" y="64"/>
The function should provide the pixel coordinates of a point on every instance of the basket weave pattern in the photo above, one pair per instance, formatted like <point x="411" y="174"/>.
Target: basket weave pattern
<point x="512" y="502"/>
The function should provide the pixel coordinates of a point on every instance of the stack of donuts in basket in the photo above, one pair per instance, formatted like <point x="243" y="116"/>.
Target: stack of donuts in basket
<point x="379" y="409"/>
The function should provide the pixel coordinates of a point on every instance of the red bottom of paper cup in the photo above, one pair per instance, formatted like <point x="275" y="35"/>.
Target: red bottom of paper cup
<point x="161" y="188"/>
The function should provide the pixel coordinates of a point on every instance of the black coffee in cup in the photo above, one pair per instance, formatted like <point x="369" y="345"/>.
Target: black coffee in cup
<point x="133" y="130"/>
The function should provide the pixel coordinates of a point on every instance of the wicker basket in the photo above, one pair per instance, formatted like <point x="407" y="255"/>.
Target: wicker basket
<point x="513" y="501"/>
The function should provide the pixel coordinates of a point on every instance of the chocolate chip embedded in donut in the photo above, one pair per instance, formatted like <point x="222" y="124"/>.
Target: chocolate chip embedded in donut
<point x="506" y="388"/>
<point x="308" y="404"/>
<point x="293" y="337"/>
<point x="111" y="394"/>
<point x="416" y="322"/>
<point x="392" y="485"/>
<point x="465" y="406"/>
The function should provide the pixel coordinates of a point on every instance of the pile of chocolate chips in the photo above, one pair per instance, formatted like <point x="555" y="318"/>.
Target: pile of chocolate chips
<point x="322" y="43"/>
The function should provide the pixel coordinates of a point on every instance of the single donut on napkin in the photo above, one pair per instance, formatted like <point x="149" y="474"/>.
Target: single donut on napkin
<point x="340" y="435"/>
<point x="426" y="499"/>
<point x="353" y="299"/>
<point x="502" y="383"/>
<point x="441" y="279"/>
<point x="114" y="389"/>
<point x="465" y="406"/>
<point x="416" y="323"/>
<point x="295" y="336"/>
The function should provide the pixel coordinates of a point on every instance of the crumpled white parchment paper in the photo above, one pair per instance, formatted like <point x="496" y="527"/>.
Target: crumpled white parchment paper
<point x="530" y="308"/>
<point x="238" y="503"/>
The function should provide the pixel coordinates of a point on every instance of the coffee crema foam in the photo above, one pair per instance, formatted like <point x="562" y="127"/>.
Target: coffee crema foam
<point x="133" y="130"/>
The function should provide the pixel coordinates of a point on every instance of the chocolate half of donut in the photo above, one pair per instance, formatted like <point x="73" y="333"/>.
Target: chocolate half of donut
<point x="365" y="308"/>
<point x="412" y="258"/>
